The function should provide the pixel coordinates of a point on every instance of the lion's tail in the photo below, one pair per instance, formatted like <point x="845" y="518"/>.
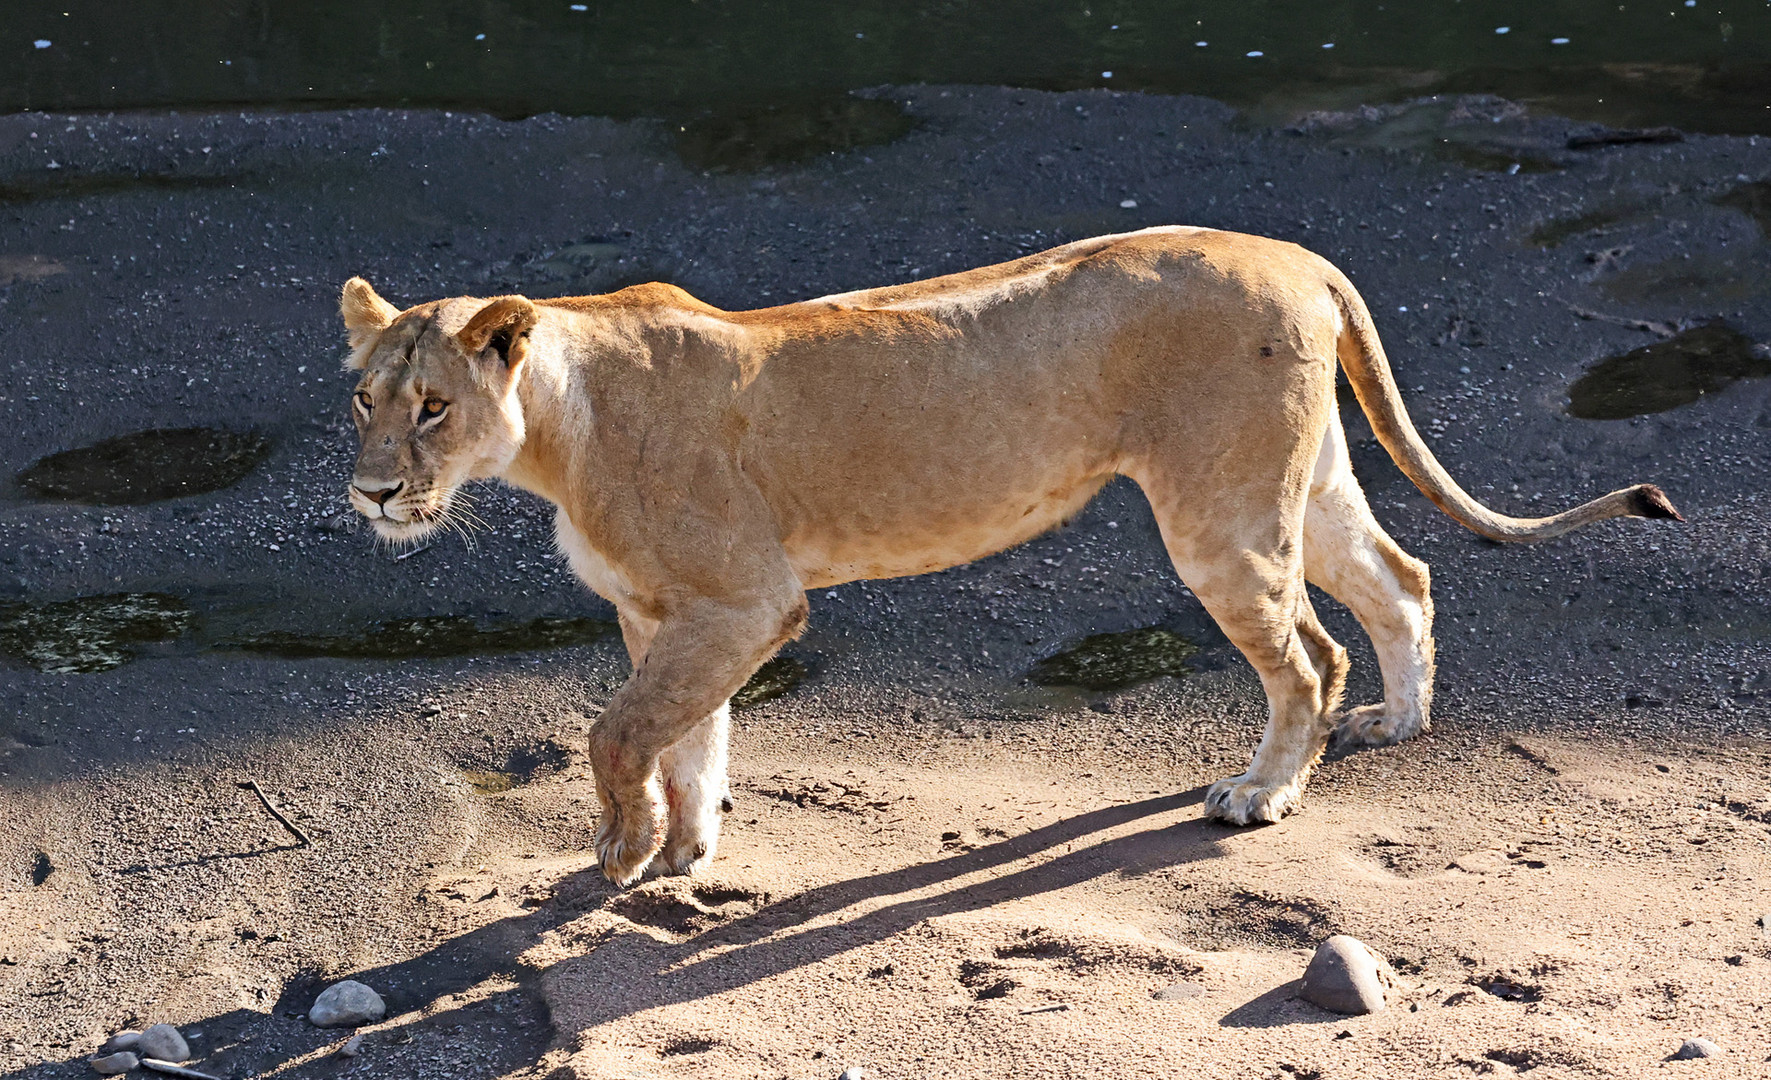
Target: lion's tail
<point x="1362" y="356"/>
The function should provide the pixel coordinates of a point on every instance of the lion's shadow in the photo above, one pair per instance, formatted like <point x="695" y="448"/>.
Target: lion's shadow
<point x="655" y="973"/>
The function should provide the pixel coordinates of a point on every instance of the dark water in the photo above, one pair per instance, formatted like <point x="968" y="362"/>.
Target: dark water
<point x="1705" y="67"/>
<point x="429" y="636"/>
<point x="147" y="466"/>
<point x="1115" y="661"/>
<point x="96" y="633"/>
<point x="90" y="633"/>
<point x="1667" y="374"/>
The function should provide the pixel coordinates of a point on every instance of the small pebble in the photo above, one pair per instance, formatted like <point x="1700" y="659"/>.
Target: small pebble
<point x="164" y="1042"/>
<point x="853" y="1072"/>
<point x="1697" y="1048"/>
<point x="115" y="1064"/>
<point x="1346" y="977"/>
<point x="352" y="1046"/>
<point x="122" y="1040"/>
<point x="346" y="1004"/>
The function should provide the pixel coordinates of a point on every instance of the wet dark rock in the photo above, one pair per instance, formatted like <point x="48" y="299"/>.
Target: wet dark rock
<point x="1346" y="977"/>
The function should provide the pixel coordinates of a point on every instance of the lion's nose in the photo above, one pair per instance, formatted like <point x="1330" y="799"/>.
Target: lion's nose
<point x="379" y="496"/>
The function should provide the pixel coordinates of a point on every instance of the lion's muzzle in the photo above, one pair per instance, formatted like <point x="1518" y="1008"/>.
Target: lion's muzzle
<point x="371" y="497"/>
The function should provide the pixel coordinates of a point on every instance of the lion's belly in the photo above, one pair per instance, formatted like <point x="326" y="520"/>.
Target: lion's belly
<point x="930" y="534"/>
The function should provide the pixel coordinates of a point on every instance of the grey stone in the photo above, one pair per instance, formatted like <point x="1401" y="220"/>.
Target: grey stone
<point x="164" y="1042"/>
<point x="853" y="1072"/>
<point x="1179" y="992"/>
<point x="352" y="1046"/>
<point x="1346" y="977"/>
<point x="122" y="1040"/>
<point x="115" y="1064"/>
<point x="1697" y="1048"/>
<point x="346" y="1004"/>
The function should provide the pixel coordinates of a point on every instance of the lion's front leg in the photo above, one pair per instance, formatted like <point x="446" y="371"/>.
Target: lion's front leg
<point x="659" y="749"/>
<point x="694" y="773"/>
<point x="632" y="825"/>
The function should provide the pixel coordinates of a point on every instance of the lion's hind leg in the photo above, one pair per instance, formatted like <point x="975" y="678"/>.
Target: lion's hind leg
<point x="1246" y="569"/>
<point x="1347" y="553"/>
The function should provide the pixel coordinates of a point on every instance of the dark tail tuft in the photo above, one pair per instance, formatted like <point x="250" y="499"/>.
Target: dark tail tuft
<point x="1648" y="501"/>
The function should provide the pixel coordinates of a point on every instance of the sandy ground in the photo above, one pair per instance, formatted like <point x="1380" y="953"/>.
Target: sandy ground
<point x="1568" y="873"/>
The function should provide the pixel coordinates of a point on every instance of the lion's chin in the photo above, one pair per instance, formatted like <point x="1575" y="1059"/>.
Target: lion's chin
<point x="404" y="532"/>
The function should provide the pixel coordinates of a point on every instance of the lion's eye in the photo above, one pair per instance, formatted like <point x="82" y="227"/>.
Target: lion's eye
<point x="364" y="402"/>
<point x="434" y="407"/>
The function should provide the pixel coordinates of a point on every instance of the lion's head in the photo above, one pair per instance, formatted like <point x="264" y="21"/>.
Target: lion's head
<point x="436" y="405"/>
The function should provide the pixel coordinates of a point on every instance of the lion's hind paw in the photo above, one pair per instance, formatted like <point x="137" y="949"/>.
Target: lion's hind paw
<point x="1374" y="725"/>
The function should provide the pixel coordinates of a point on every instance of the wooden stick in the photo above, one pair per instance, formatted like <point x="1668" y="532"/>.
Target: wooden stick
<point x="286" y="823"/>
<point x="1060" y="1007"/>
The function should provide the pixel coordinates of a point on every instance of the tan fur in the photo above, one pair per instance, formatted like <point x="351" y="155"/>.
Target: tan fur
<point x="710" y="467"/>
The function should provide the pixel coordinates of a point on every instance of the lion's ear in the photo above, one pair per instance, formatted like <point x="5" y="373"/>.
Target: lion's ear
<point x="500" y="328"/>
<point x="365" y="313"/>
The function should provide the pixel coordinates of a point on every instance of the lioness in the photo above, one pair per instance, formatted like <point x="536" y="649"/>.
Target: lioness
<point x="711" y="466"/>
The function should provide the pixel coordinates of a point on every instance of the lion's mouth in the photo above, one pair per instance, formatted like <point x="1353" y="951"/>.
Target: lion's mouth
<point x="401" y="518"/>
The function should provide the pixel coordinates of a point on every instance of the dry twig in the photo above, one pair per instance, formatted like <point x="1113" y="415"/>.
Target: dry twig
<point x="286" y="823"/>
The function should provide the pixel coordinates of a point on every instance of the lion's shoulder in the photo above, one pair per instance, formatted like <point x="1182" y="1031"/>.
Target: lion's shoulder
<point x="654" y="294"/>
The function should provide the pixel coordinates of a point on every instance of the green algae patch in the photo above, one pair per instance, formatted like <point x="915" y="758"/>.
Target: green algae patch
<point x="774" y="679"/>
<point x="1103" y="662"/>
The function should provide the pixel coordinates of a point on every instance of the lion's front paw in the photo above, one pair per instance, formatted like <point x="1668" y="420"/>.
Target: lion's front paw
<point x="694" y="833"/>
<point x="628" y="837"/>
<point x="1241" y="801"/>
<point x="1373" y="725"/>
<point x="687" y="854"/>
